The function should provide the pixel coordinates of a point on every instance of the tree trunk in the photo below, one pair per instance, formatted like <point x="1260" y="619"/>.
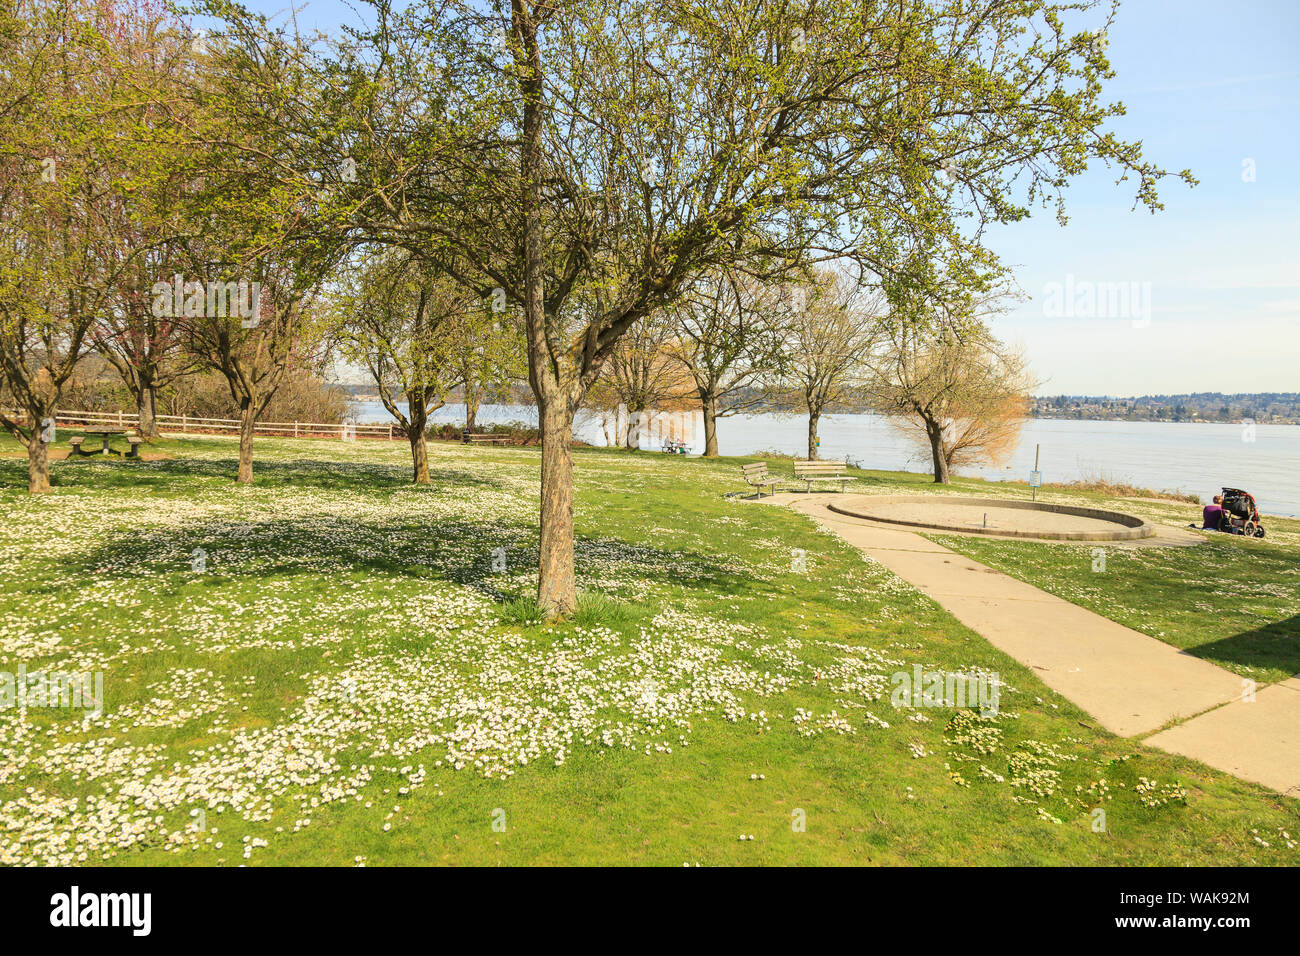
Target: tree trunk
<point x="813" y="419"/>
<point x="419" y="456"/>
<point x="556" y="588"/>
<point x="555" y="386"/>
<point x="38" y="463"/>
<point x="146" y="404"/>
<point x="633" y="438"/>
<point x="247" y="419"/>
<point x="471" y="406"/>
<point x="417" y="425"/>
<point x="710" y="404"/>
<point x="935" y="434"/>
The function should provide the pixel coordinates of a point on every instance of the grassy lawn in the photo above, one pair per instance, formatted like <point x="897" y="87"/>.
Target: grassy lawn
<point x="333" y="667"/>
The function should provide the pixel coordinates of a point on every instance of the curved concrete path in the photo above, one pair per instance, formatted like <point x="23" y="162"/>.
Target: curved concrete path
<point x="995" y="517"/>
<point x="1133" y="684"/>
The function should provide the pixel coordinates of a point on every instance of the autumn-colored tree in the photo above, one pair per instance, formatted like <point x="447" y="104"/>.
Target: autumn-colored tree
<point x="958" y="391"/>
<point x="642" y="374"/>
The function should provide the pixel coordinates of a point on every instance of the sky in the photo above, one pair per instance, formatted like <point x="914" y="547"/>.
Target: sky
<point x="1201" y="296"/>
<point x="1215" y="88"/>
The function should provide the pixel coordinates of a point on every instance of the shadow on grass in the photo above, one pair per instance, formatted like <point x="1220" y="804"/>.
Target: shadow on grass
<point x="491" y="555"/>
<point x="486" y="556"/>
<point x="1274" y="646"/>
<point x="160" y="475"/>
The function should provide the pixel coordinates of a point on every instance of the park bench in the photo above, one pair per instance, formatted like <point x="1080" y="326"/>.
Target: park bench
<point x="810" y="472"/>
<point x="756" y="474"/>
<point x="136" y="441"/>
<point x="484" y="438"/>
<point x="75" y="442"/>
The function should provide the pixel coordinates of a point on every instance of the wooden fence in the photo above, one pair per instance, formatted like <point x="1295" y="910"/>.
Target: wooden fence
<point x="191" y="423"/>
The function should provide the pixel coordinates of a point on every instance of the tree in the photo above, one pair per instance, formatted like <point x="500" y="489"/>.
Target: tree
<point x="143" y="347"/>
<point x="490" y="359"/>
<point x="255" y="237"/>
<point x="412" y="330"/>
<point x="64" y="160"/>
<point x="641" y="373"/>
<point x="729" y="339"/>
<point x="591" y="158"/>
<point x="254" y="323"/>
<point x="655" y="141"/>
<point x="959" y="391"/>
<point x="829" y="332"/>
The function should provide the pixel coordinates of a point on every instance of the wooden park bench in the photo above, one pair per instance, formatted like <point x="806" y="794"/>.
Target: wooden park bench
<point x="76" y="442"/>
<point x="484" y="438"/>
<point x="810" y="472"/>
<point x="136" y="441"/>
<point x="756" y="474"/>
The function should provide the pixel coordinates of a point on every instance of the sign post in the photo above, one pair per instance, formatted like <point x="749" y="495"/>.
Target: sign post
<point x="1036" y="476"/>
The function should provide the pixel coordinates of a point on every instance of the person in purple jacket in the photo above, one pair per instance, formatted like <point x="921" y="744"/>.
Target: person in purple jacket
<point x="1212" y="514"/>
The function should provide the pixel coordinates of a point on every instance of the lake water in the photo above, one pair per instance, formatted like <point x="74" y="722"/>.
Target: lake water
<point x="1197" y="458"/>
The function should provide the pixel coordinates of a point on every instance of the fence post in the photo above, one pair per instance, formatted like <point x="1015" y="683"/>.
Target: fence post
<point x="184" y="420"/>
<point x="295" y="429"/>
<point x="390" y="431"/>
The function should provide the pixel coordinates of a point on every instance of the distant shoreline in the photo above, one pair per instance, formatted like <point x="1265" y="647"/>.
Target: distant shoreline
<point x="1156" y="421"/>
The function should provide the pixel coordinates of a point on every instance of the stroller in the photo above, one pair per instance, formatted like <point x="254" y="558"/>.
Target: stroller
<point x="1240" y="516"/>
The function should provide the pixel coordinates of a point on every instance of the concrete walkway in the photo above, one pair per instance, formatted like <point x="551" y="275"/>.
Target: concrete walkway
<point x="1133" y="684"/>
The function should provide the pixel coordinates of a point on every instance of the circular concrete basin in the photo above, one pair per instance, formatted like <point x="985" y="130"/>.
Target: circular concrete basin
<point x="995" y="516"/>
